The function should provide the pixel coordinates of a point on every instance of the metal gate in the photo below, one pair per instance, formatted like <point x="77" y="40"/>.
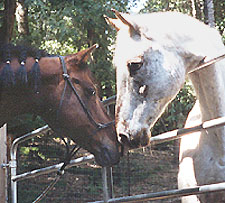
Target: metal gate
<point x="107" y="172"/>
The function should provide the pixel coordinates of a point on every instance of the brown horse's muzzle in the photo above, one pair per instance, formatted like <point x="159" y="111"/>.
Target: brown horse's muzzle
<point x="107" y="157"/>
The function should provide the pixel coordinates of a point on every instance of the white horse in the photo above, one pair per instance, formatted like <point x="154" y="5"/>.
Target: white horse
<point x="154" y="54"/>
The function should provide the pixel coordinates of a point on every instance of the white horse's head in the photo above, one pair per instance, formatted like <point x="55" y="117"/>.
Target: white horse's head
<point x="150" y="67"/>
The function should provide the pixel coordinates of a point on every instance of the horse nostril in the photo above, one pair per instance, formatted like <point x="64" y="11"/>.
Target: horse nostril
<point x="123" y="139"/>
<point x="129" y="141"/>
<point x="107" y="157"/>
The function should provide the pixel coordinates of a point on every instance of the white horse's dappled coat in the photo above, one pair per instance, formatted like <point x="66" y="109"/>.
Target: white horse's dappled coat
<point x="154" y="53"/>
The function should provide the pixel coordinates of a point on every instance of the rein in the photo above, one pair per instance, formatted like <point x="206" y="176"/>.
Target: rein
<point x="68" y="81"/>
<point x="59" y="174"/>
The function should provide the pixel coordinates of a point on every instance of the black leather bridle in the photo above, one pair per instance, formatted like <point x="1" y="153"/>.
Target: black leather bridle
<point x="68" y="81"/>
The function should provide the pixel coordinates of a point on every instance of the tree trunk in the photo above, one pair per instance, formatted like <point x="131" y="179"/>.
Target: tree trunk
<point x="193" y="12"/>
<point x="209" y="13"/>
<point x="22" y="18"/>
<point x="196" y="9"/>
<point x="8" y="18"/>
<point x="219" y="8"/>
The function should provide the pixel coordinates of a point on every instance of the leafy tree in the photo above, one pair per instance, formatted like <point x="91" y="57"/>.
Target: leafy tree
<point x="219" y="8"/>
<point x="64" y="27"/>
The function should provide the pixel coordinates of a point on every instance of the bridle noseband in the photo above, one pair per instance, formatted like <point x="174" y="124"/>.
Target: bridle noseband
<point x="68" y="81"/>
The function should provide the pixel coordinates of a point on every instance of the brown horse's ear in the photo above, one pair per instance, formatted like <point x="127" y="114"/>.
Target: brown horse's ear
<point x="84" y="54"/>
<point x="120" y="22"/>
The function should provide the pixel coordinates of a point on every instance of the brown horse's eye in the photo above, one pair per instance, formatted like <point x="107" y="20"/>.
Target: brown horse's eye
<point x="76" y="81"/>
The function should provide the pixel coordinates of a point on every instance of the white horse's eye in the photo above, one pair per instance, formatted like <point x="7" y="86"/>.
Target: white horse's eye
<point x="134" y="67"/>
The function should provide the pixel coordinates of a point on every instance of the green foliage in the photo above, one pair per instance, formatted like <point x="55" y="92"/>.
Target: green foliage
<point x="24" y="123"/>
<point x="65" y="27"/>
<point x="219" y="6"/>
<point x="187" y="7"/>
<point x="172" y="5"/>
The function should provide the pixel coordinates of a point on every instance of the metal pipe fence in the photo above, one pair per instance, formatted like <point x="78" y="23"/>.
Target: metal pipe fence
<point x="176" y="134"/>
<point x="75" y="162"/>
<point x="165" y="137"/>
<point x="53" y="168"/>
<point x="13" y="162"/>
<point x="37" y="172"/>
<point x="107" y="173"/>
<point x="168" y="194"/>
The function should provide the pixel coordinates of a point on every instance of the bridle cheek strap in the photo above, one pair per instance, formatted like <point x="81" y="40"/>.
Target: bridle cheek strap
<point x="68" y="81"/>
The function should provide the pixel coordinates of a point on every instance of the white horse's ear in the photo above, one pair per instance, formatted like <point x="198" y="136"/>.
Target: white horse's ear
<point x="121" y="22"/>
<point x="117" y="24"/>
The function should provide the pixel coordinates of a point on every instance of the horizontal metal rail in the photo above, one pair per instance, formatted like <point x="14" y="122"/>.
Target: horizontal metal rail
<point x="37" y="172"/>
<point x="168" y="194"/>
<point x="165" y="137"/>
<point x="109" y="100"/>
<point x="13" y="152"/>
<point x="53" y="168"/>
<point x="34" y="173"/>
<point x="175" y="134"/>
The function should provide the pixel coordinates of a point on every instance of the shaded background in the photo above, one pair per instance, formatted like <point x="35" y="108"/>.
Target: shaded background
<point x="67" y="26"/>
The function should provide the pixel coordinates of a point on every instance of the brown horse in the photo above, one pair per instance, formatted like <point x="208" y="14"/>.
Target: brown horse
<point x="60" y="90"/>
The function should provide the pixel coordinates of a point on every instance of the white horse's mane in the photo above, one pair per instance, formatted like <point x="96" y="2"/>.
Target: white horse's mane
<point x="174" y="28"/>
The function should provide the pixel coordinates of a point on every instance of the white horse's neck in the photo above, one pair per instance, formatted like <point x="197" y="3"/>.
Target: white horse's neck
<point x="202" y="154"/>
<point x="209" y="85"/>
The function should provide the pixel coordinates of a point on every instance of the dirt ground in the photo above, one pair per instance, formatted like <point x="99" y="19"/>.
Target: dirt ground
<point x="143" y="171"/>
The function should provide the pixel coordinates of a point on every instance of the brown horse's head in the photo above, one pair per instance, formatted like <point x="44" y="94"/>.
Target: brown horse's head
<point x="69" y="103"/>
<point x="77" y="107"/>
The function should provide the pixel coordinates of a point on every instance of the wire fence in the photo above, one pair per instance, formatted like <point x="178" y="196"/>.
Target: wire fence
<point x="148" y="170"/>
<point x="144" y="170"/>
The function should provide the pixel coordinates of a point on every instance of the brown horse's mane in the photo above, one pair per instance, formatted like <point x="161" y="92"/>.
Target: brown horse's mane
<point x="10" y="51"/>
<point x="7" y="77"/>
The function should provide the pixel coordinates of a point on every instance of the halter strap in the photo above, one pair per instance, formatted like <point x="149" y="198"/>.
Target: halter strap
<point x="87" y="112"/>
<point x="65" y="73"/>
